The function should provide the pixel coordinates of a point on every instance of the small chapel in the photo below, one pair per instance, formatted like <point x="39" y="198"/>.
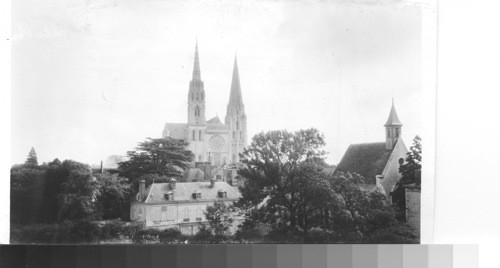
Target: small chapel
<point x="216" y="145"/>
<point x="378" y="162"/>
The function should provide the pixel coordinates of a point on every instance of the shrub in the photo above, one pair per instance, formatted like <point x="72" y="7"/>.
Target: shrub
<point x="172" y="236"/>
<point x="146" y="236"/>
<point x="131" y="229"/>
<point x="204" y="235"/>
<point x="113" y="229"/>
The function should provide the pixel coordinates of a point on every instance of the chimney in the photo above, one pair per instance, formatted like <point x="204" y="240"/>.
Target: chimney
<point x="212" y="182"/>
<point x="142" y="188"/>
<point x="173" y="182"/>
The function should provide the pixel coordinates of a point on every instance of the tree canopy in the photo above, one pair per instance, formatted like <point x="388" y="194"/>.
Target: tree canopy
<point x="164" y="157"/>
<point x="411" y="168"/>
<point x="284" y="170"/>
<point x="32" y="158"/>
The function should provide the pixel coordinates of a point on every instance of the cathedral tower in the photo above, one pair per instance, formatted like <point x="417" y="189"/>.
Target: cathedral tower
<point x="392" y="129"/>
<point x="196" y="96"/>
<point x="236" y="117"/>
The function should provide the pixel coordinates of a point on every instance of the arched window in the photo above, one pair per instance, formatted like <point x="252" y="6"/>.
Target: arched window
<point x="194" y="135"/>
<point x="197" y="111"/>
<point x="200" y="136"/>
<point x="202" y="96"/>
<point x="237" y="125"/>
<point x="197" y="96"/>
<point x="397" y="132"/>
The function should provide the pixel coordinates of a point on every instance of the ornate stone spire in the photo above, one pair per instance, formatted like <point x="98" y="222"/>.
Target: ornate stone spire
<point x="196" y="68"/>
<point x="235" y="98"/>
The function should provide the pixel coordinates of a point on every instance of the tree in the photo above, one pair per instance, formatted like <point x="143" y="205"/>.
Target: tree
<point x="220" y="219"/>
<point x="358" y="215"/>
<point x="113" y="195"/>
<point x="411" y="175"/>
<point x="79" y="192"/>
<point x="32" y="159"/>
<point x="164" y="157"/>
<point x="411" y="169"/>
<point x="284" y="172"/>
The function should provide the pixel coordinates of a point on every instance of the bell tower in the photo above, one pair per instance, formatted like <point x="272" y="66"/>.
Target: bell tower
<point x="196" y="96"/>
<point x="236" y="117"/>
<point x="392" y="129"/>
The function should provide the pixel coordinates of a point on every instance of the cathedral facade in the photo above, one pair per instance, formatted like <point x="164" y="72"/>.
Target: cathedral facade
<point x="212" y="141"/>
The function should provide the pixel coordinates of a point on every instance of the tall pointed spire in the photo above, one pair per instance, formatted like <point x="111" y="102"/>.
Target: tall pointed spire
<point x="196" y="68"/>
<point x="393" y="119"/>
<point x="235" y="98"/>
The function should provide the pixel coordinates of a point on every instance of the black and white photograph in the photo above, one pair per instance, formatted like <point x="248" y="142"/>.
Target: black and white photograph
<point x="210" y="122"/>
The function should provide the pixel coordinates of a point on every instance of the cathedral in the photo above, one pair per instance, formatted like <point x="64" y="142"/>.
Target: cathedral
<point x="211" y="141"/>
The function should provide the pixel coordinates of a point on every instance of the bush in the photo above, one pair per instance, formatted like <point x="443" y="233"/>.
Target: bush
<point x="147" y="236"/>
<point x="113" y="230"/>
<point x="204" y="235"/>
<point x="172" y="236"/>
<point x="320" y="236"/>
<point x="131" y="229"/>
<point x="83" y="231"/>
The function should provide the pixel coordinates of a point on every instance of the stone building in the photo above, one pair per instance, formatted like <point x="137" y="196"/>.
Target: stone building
<point x="212" y="141"/>
<point x="180" y="204"/>
<point x="378" y="162"/>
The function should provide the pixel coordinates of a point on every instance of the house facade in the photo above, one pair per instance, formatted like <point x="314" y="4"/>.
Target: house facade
<point x="179" y="204"/>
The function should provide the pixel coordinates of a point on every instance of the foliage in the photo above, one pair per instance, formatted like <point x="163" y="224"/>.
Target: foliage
<point x="32" y="158"/>
<point x="220" y="219"/>
<point x="411" y="169"/>
<point x="411" y="173"/>
<point x="171" y="236"/>
<point x="164" y="157"/>
<point x="81" y="231"/>
<point x="285" y="178"/>
<point x="79" y="192"/>
<point x="147" y="236"/>
<point x="113" y="195"/>
<point x="204" y="235"/>
<point x="26" y="181"/>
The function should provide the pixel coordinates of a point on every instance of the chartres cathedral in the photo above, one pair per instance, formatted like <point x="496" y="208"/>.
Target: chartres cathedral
<point x="212" y="141"/>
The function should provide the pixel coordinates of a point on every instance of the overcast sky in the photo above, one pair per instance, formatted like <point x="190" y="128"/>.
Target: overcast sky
<point x="92" y="78"/>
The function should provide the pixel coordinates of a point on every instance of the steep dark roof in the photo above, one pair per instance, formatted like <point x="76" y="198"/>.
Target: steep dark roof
<point x="365" y="159"/>
<point x="184" y="192"/>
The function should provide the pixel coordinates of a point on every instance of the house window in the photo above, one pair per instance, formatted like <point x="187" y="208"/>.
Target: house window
<point x="185" y="220"/>
<point x="169" y="196"/>
<point x="198" y="219"/>
<point x="196" y="195"/>
<point x="222" y="194"/>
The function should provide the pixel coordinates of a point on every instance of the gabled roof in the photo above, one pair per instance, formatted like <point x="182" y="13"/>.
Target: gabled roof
<point x="393" y="119"/>
<point x="215" y="121"/>
<point x="365" y="159"/>
<point x="184" y="192"/>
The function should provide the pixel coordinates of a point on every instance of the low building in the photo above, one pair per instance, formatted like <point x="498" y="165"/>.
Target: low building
<point x="378" y="162"/>
<point x="179" y="204"/>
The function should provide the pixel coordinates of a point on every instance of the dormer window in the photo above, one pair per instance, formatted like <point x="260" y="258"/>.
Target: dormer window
<point x="197" y="195"/>
<point x="169" y="196"/>
<point x="222" y="194"/>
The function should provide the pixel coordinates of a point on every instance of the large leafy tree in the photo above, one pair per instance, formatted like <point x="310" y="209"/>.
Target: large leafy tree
<point x="164" y="157"/>
<point x="113" y="195"/>
<point x="357" y="214"/>
<point x="284" y="178"/>
<point x="220" y="218"/>
<point x="79" y="192"/>
<point x="32" y="158"/>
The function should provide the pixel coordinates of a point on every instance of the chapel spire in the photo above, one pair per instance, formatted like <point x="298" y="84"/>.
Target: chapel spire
<point x="392" y="129"/>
